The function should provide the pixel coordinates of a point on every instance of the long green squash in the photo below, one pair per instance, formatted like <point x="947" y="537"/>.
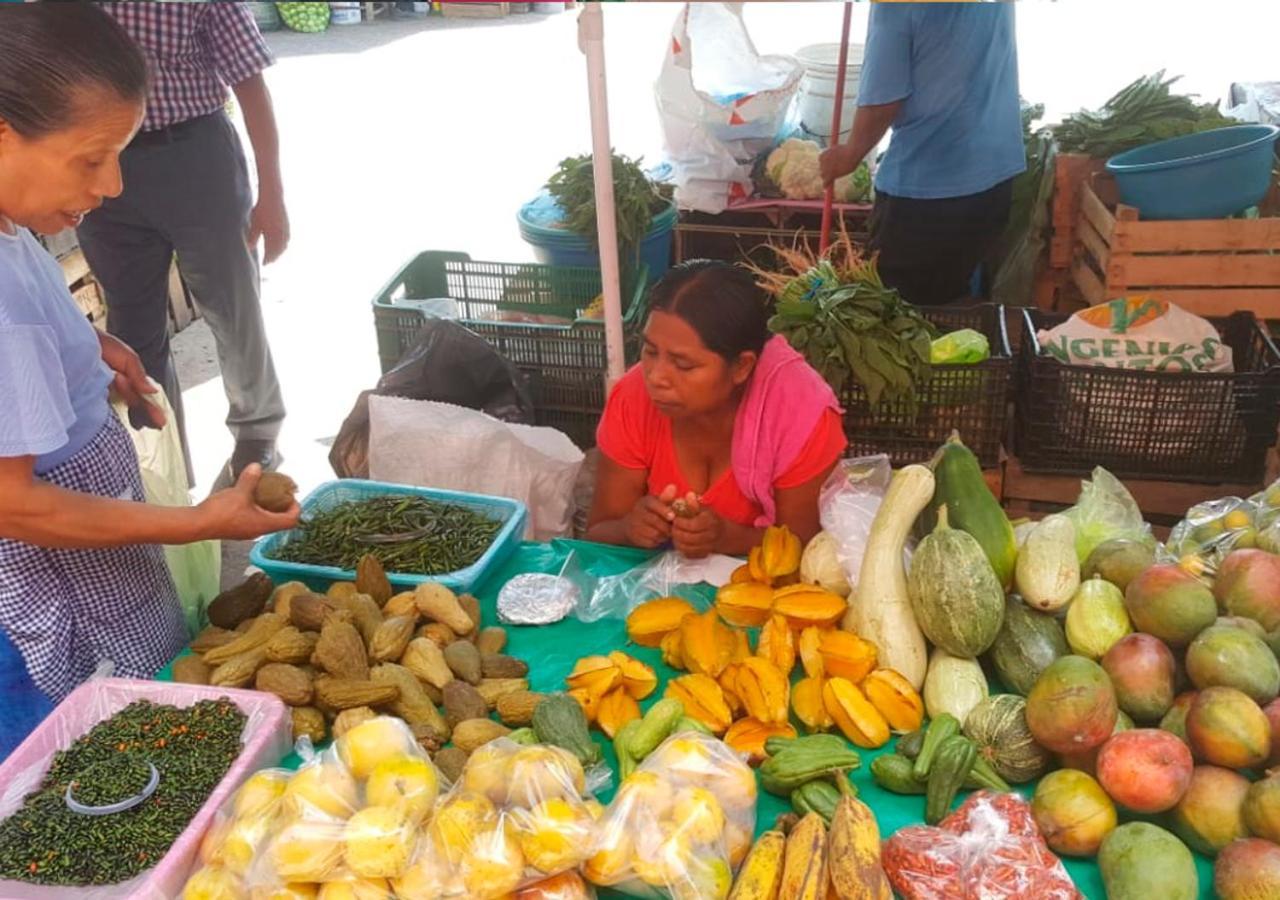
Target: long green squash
<point x="971" y="507"/>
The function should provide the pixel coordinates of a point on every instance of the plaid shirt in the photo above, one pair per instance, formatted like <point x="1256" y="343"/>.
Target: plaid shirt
<point x="195" y="52"/>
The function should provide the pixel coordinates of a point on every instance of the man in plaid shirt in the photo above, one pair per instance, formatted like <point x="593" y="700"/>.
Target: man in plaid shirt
<point x="187" y="193"/>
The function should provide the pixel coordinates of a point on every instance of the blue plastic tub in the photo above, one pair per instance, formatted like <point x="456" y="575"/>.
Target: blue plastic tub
<point x="554" y="246"/>
<point x="1208" y="175"/>
<point x="510" y="512"/>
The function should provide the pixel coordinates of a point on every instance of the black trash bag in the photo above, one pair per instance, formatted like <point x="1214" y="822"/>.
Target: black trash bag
<point x="448" y="364"/>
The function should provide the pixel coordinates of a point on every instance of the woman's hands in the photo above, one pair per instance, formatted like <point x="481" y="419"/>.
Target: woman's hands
<point x="648" y="525"/>
<point x="653" y="521"/>
<point x="232" y="515"/>
<point x="698" y="532"/>
<point x="131" y="381"/>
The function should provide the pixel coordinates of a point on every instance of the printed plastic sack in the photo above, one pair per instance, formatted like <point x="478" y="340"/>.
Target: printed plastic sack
<point x="517" y="815"/>
<point x="1138" y="333"/>
<point x="848" y="505"/>
<point x="1105" y="511"/>
<point x="988" y="849"/>
<point x="722" y="107"/>
<point x="349" y="816"/>
<point x="196" y="568"/>
<point x="680" y="824"/>
<point x="669" y="574"/>
<point x="430" y="444"/>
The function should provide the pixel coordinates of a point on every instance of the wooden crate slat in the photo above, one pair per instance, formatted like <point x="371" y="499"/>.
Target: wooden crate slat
<point x="1090" y="285"/>
<point x="1204" y="270"/>
<point x="1097" y="215"/>
<point x="1094" y="243"/>
<point x="1181" y="237"/>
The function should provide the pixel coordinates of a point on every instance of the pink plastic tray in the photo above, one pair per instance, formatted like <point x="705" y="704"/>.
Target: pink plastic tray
<point x="266" y="738"/>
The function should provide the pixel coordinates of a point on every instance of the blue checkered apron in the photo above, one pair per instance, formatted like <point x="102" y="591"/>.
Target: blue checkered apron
<point x="67" y="611"/>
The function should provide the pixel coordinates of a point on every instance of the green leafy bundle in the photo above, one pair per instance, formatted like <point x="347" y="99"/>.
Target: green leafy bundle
<point x="1142" y="113"/>
<point x="637" y="199"/>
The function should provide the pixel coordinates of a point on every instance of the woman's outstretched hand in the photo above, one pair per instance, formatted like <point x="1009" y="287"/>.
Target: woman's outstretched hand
<point x="649" y="522"/>
<point x="697" y="533"/>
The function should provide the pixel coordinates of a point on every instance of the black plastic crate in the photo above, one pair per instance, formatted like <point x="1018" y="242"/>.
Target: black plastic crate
<point x="970" y="399"/>
<point x="1167" y="426"/>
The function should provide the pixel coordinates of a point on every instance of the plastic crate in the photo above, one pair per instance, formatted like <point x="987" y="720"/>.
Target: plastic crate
<point x="512" y="513"/>
<point x="1169" y="426"/>
<point x="564" y="361"/>
<point x="266" y="738"/>
<point x="970" y="399"/>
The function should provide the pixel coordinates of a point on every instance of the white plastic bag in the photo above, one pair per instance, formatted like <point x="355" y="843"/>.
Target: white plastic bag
<point x="848" y="506"/>
<point x="720" y="109"/>
<point x="429" y="444"/>
<point x="196" y="568"/>
<point x="1141" y="333"/>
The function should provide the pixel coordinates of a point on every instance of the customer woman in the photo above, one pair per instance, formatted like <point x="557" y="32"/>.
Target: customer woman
<point x="718" y="415"/>
<point x="82" y="576"/>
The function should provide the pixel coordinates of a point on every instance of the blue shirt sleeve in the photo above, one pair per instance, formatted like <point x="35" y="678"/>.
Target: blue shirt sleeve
<point x="886" y="59"/>
<point x="38" y="412"/>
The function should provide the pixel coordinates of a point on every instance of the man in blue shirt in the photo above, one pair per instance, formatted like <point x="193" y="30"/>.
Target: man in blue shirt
<point x="944" y="76"/>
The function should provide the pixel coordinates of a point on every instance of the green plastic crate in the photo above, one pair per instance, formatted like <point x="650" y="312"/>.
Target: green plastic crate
<point x="509" y="304"/>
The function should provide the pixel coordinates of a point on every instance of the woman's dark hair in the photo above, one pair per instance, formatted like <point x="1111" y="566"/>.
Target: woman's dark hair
<point x="50" y="50"/>
<point x="720" y="301"/>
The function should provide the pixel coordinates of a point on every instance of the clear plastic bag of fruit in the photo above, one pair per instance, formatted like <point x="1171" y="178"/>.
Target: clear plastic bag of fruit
<point x="1211" y="530"/>
<point x="516" y="816"/>
<point x="679" y="824"/>
<point x="989" y="848"/>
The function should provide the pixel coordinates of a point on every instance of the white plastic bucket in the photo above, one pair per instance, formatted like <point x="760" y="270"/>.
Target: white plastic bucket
<point x="817" y="98"/>
<point x="345" y="12"/>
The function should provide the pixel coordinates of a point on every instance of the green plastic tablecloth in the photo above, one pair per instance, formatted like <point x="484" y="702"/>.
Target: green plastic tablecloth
<point x="552" y="650"/>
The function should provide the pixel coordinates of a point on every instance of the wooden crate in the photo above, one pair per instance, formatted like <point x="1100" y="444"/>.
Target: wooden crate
<point x="475" y="10"/>
<point x="1070" y="172"/>
<point x="1211" y="267"/>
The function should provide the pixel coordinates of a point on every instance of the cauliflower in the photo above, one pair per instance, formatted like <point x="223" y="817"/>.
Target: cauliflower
<point x="793" y="167"/>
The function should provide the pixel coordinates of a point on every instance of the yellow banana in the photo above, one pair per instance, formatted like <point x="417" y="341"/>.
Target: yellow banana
<point x="804" y="866"/>
<point x="762" y="871"/>
<point x="854" y="853"/>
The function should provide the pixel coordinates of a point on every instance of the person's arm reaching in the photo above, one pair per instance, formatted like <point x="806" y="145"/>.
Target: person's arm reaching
<point x="624" y="513"/>
<point x="269" y="219"/>
<point x="870" y="124"/>
<point x="36" y="512"/>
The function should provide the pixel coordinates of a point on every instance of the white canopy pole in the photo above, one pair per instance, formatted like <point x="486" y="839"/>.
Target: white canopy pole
<point x="591" y="42"/>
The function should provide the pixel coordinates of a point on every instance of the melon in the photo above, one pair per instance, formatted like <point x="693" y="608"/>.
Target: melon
<point x="1145" y="770"/>
<point x="955" y="594"/>
<point x="1027" y="643"/>
<point x="1072" y="706"/>
<point x="1073" y="812"/>
<point x="1119" y="561"/>
<point x="1262" y="808"/>
<point x="1248" y="584"/>
<point x="1140" y="861"/>
<point x="1210" y="814"/>
<point x="1225" y="656"/>
<point x="998" y="726"/>
<point x="1169" y="603"/>
<point x="1225" y="727"/>
<point x="1142" y="670"/>
<point x="1096" y="618"/>
<point x="1247" y="869"/>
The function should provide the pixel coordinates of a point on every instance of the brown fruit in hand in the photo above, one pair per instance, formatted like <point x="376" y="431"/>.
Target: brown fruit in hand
<point x="289" y="683"/>
<point x="340" y="652"/>
<point x="289" y="645"/>
<point x="275" y="492"/>
<point x="463" y="702"/>
<point x="308" y="721"/>
<point x="191" y="669"/>
<point x="244" y="601"/>
<point x="463" y="659"/>
<point x="371" y="579"/>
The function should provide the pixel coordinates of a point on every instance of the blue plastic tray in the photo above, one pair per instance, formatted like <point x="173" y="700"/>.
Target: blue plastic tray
<point x="510" y="512"/>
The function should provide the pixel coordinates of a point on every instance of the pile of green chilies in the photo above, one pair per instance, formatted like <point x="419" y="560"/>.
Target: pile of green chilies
<point x="47" y="843"/>
<point x="458" y="537"/>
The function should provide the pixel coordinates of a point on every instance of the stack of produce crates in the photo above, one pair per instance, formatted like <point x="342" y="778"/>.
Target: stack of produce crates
<point x="972" y="399"/>
<point x="533" y="314"/>
<point x="1209" y="427"/>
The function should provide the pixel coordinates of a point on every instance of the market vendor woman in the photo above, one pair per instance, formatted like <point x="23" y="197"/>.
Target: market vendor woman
<point x="82" y="575"/>
<point x="720" y="431"/>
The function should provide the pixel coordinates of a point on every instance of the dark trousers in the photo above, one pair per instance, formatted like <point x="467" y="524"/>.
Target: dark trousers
<point x="928" y="249"/>
<point x="187" y="193"/>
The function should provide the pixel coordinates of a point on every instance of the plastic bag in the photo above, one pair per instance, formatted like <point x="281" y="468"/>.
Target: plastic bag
<point x="196" y="568"/>
<point x="964" y="347"/>
<point x="265" y="739"/>
<point x="567" y="886"/>
<point x="1211" y="530"/>
<point x="848" y="505"/>
<point x="680" y="824"/>
<point x="721" y="108"/>
<point x="349" y="817"/>
<point x="517" y="815"/>
<point x="1106" y="511"/>
<point x="669" y="574"/>
<point x="1138" y="332"/>
<point x="988" y="849"/>
<point x="449" y="363"/>
<point x="430" y="444"/>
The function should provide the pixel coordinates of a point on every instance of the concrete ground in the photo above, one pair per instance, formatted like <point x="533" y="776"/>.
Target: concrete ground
<point x="402" y="136"/>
